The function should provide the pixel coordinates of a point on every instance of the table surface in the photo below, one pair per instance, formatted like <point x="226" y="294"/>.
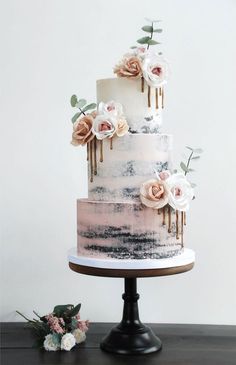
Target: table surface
<point x="182" y="345"/>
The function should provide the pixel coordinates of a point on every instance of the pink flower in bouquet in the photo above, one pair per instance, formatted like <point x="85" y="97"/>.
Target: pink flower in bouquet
<point x="83" y="325"/>
<point x="55" y="323"/>
<point x="163" y="175"/>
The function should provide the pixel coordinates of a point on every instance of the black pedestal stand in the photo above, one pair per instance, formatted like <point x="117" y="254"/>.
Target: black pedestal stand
<point x="131" y="336"/>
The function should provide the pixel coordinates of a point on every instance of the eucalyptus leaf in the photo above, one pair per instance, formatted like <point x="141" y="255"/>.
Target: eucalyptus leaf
<point x="56" y="339"/>
<point x="74" y="324"/>
<point x="60" y="309"/>
<point x="81" y="103"/>
<point x="158" y="30"/>
<point x="189" y="148"/>
<point x="143" y="40"/>
<point x="190" y="170"/>
<point x="160" y="53"/>
<point x="198" y="150"/>
<point x="152" y="42"/>
<point x="152" y="20"/>
<point x="147" y="28"/>
<point x="175" y="171"/>
<point x="89" y="107"/>
<point x="75" y="117"/>
<point x="193" y="185"/>
<point x="195" y="157"/>
<point x="183" y="166"/>
<point x="74" y="311"/>
<point x="73" y="100"/>
<point x="133" y="47"/>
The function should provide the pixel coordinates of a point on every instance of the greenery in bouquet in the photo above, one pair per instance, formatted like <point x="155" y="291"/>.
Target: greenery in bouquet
<point x="60" y="330"/>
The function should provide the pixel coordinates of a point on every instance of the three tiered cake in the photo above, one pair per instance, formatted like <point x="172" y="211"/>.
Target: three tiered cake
<point x="137" y="203"/>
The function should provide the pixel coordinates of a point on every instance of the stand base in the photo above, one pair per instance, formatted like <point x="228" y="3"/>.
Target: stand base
<point x="131" y="341"/>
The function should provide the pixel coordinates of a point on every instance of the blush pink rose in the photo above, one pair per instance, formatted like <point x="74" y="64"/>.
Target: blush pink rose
<point x="154" y="194"/>
<point x="129" y="67"/>
<point x="83" y="130"/>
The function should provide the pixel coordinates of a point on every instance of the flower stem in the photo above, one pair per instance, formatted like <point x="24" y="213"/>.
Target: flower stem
<point x="151" y="35"/>
<point x="22" y="315"/>
<point x="189" y="159"/>
<point x="82" y="111"/>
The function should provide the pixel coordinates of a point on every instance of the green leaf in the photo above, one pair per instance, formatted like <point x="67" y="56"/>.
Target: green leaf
<point x="74" y="311"/>
<point x="175" y="171"/>
<point x="152" y="42"/>
<point x="158" y="30"/>
<point x="60" y="309"/>
<point x="56" y="339"/>
<point x="195" y="157"/>
<point x="183" y="166"/>
<point x="73" y="324"/>
<point x="189" y="148"/>
<point x="152" y="20"/>
<point x="75" y="117"/>
<point x="81" y="103"/>
<point x="147" y="28"/>
<point x="198" y="150"/>
<point x="191" y="170"/>
<point x="73" y="100"/>
<point x="193" y="185"/>
<point x="143" y="40"/>
<point x="133" y="47"/>
<point x="89" y="107"/>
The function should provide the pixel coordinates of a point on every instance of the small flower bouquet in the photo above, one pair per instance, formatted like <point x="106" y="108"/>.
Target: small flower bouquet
<point x="60" y="330"/>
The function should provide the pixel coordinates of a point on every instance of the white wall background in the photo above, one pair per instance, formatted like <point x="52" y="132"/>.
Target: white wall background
<point x="53" y="48"/>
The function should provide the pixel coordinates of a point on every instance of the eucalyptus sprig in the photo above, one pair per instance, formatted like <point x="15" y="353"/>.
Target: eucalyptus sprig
<point x="151" y="29"/>
<point x="193" y="156"/>
<point x="82" y="105"/>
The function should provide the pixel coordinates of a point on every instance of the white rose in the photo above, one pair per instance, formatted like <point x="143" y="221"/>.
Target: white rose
<point x="111" y="107"/>
<point x="67" y="342"/>
<point x="104" y="126"/>
<point x="79" y="335"/>
<point x="49" y="345"/>
<point x="180" y="192"/>
<point x="155" y="70"/>
<point x="122" y="127"/>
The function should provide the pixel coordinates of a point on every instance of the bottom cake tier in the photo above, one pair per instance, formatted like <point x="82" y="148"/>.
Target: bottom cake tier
<point x="112" y="230"/>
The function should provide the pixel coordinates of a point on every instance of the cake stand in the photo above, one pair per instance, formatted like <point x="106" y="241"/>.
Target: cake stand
<point x="131" y="336"/>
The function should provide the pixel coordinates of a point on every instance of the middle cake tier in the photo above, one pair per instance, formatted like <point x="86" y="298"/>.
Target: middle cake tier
<point x="126" y="163"/>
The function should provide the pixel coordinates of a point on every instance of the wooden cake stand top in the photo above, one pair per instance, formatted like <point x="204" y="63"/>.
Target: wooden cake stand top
<point x="131" y="268"/>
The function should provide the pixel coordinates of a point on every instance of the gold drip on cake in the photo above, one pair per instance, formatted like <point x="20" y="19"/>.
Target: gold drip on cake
<point x="156" y="95"/>
<point x="149" y="96"/>
<point x="95" y="156"/>
<point x="160" y="91"/>
<point x="184" y="218"/>
<point x="182" y="229"/>
<point x="142" y="84"/>
<point x="158" y="211"/>
<point x="88" y="151"/>
<point x="111" y="143"/>
<point x="162" y="98"/>
<point x="101" y="150"/>
<point x="91" y="160"/>
<point x="163" y="216"/>
<point x="177" y="224"/>
<point x="169" y="219"/>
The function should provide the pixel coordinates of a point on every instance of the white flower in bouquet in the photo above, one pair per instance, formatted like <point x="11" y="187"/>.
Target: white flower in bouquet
<point x="104" y="126"/>
<point x="180" y="192"/>
<point x="79" y="335"/>
<point x="49" y="345"/>
<point x="155" y="70"/>
<point x="111" y="107"/>
<point x="67" y="342"/>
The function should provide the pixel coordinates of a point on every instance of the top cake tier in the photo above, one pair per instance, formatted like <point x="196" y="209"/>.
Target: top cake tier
<point x="141" y="103"/>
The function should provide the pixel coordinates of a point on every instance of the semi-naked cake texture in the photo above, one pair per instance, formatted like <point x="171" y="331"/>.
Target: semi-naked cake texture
<point x="141" y="117"/>
<point x="113" y="223"/>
